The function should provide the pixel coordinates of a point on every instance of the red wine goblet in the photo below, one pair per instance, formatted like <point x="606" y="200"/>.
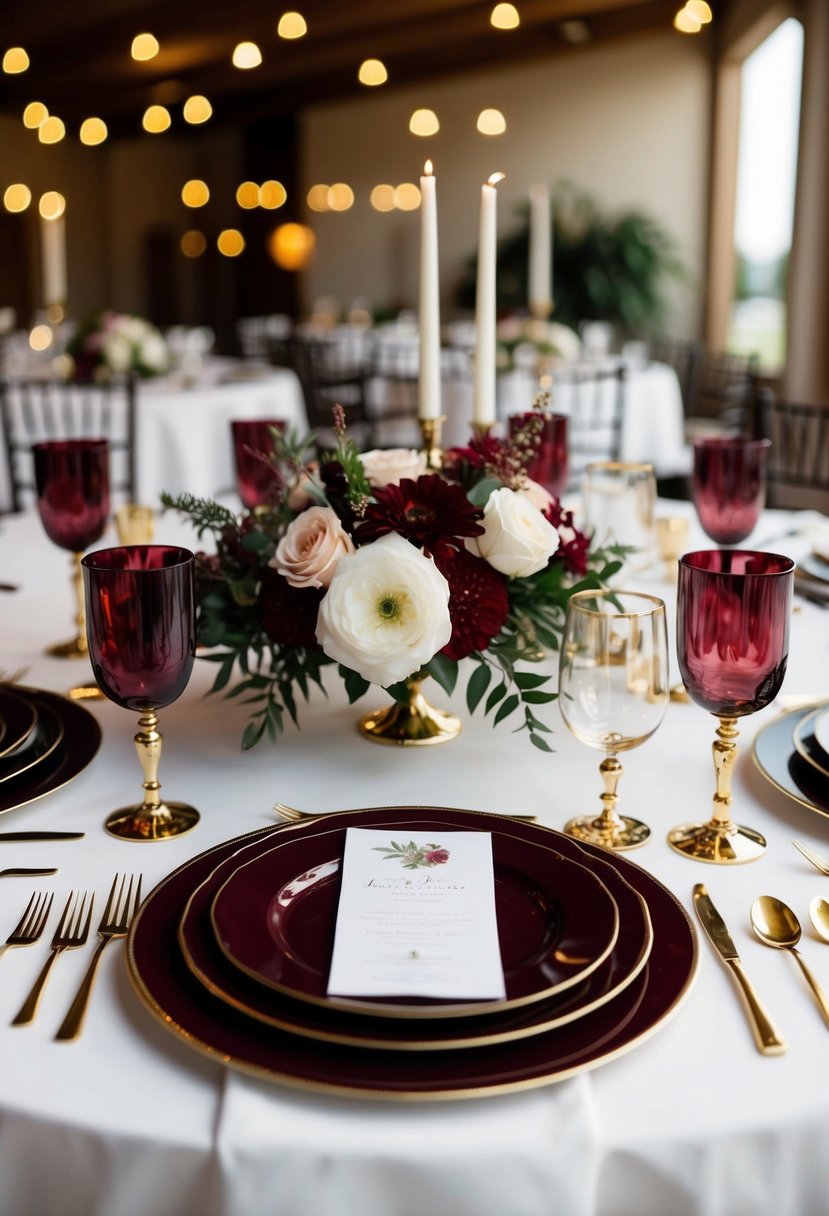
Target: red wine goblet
<point x="142" y="643"/>
<point x="733" y="612"/>
<point x="256" y="476"/>
<point x="550" y="465"/>
<point x="72" y="486"/>
<point x="728" y="485"/>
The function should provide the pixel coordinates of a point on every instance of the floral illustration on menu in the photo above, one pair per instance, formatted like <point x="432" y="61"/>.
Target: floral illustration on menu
<point x="414" y="857"/>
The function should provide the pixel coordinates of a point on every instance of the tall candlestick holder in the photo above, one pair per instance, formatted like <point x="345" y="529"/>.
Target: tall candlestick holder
<point x="432" y="429"/>
<point x="482" y="429"/>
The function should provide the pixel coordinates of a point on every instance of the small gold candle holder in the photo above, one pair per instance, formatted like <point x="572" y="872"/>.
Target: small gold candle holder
<point x="542" y="310"/>
<point x="482" y="429"/>
<point x="432" y="430"/>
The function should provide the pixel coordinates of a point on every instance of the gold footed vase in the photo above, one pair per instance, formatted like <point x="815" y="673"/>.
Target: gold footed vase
<point x="413" y="723"/>
<point x="720" y="841"/>
<point x="152" y="819"/>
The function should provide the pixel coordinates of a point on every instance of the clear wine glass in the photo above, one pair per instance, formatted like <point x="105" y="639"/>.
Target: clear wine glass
<point x="613" y="691"/>
<point x="72" y="488"/>
<point x="252" y="440"/>
<point x="142" y="643"/>
<point x="733" y="612"/>
<point x="728" y="485"/>
<point x="550" y="466"/>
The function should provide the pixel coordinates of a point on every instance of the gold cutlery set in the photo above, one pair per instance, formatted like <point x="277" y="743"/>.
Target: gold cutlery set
<point x="72" y="933"/>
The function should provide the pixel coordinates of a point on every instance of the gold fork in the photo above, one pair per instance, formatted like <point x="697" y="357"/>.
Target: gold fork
<point x="31" y="924"/>
<point x="290" y="814"/>
<point x="820" y="863"/>
<point x="71" y="933"/>
<point x="115" y="922"/>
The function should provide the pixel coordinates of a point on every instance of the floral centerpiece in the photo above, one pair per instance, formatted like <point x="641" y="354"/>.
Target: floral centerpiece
<point x="530" y="343"/>
<point x="118" y="344"/>
<point x="392" y="572"/>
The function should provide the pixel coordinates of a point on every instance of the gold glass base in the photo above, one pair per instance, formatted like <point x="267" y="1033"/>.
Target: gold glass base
<point x="620" y="834"/>
<point x="415" y="724"/>
<point x="75" y="649"/>
<point x="160" y="822"/>
<point x="722" y="845"/>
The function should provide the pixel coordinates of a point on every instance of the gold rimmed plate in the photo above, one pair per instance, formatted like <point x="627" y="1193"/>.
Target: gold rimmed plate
<point x="274" y="919"/>
<point x="779" y="761"/>
<point x="18" y="719"/>
<point x="37" y="748"/>
<point x="211" y="968"/>
<point x="80" y="743"/>
<point x="807" y="741"/>
<point x="174" y="997"/>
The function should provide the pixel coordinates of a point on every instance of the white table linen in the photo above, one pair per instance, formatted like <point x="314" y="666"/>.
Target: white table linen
<point x="130" y="1120"/>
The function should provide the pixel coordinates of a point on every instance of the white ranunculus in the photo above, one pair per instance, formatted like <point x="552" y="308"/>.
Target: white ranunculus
<point x="517" y="540"/>
<point x="388" y="466"/>
<point x="117" y="352"/>
<point x="386" y="612"/>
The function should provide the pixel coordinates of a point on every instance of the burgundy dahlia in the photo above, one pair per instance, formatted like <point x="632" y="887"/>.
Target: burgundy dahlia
<point x="478" y="602"/>
<point x="429" y="512"/>
<point x="289" y="614"/>
<point x="437" y="857"/>
<point x="573" y="545"/>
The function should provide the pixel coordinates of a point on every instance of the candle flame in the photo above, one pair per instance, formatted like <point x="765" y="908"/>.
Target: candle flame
<point x="495" y="178"/>
<point x="428" y="169"/>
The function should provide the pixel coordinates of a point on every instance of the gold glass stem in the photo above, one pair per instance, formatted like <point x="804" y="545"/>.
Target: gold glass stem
<point x="414" y="723"/>
<point x="432" y="431"/>
<point x="609" y="829"/>
<point x="720" y="840"/>
<point x="152" y="819"/>
<point x="76" y="648"/>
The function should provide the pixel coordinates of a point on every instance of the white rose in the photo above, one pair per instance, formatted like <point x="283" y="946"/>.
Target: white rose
<point x="153" y="352"/>
<point x="386" y="612"/>
<point x="117" y="352"/>
<point x="133" y="328"/>
<point x="313" y="544"/>
<point x="565" y="341"/>
<point x="517" y="539"/>
<point x="387" y="467"/>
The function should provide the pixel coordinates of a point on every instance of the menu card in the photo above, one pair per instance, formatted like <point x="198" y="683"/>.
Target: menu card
<point x="417" y="916"/>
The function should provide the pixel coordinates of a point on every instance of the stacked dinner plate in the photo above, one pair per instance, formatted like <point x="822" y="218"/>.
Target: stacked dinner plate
<point x="812" y="575"/>
<point x="792" y="752"/>
<point x="45" y="741"/>
<point x="231" y="953"/>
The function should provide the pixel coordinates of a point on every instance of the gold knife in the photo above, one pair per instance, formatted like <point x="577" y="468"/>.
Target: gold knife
<point x="768" y="1039"/>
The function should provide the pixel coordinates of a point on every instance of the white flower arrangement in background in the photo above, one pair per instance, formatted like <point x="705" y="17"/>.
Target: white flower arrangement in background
<point x="118" y="344"/>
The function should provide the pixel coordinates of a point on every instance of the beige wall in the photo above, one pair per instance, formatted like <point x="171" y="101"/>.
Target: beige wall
<point x="628" y="123"/>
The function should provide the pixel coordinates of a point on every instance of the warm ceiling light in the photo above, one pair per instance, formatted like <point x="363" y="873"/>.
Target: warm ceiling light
<point x="491" y="122"/>
<point x="230" y="242"/>
<point x="340" y="197"/>
<point x="372" y="72"/>
<point x="51" y="130"/>
<point x="407" y="197"/>
<point x="505" y="17"/>
<point x="34" y="114"/>
<point x="197" y="109"/>
<point x="382" y="198"/>
<point x="144" y="46"/>
<point x="317" y="198"/>
<point x="272" y="194"/>
<point x="156" y="119"/>
<point x="15" y="60"/>
<point x="247" y="55"/>
<point x="292" y="25"/>
<point x="93" y="131"/>
<point x="51" y="205"/>
<point x="40" y="338"/>
<point x="193" y="243"/>
<point x="291" y="245"/>
<point x="247" y="195"/>
<point x="700" y="10"/>
<point x="195" y="193"/>
<point x="17" y="197"/>
<point x="424" y="122"/>
<point x="686" y="23"/>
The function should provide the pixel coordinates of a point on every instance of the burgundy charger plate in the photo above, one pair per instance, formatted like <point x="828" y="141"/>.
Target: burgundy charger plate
<point x="275" y="915"/>
<point x="18" y="718"/>
<point x="80" y="742"/>
<point x="210" y="966"/>
<point x="172" y="994"/>
<point x="40" y="744"/>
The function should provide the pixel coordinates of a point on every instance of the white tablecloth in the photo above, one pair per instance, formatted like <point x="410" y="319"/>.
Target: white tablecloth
<point x="128" y="1120"/>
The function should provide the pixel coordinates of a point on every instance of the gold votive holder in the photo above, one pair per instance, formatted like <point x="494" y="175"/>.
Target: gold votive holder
<point x="672" y="532"/>
<point x="134" y="524"/>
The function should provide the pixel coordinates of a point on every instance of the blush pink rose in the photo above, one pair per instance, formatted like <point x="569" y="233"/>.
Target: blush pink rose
<point x="387" y="466"/>
<point x="538" y="496"/>
<point x="437" y="857"/>
<point x="313" y="544"/>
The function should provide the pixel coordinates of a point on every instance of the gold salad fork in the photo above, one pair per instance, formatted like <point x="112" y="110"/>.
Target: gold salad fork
<point x="820" y="863"/>
<point x="31" y="924"/>
<point x="71" y="933"/>
<point x="115" y="922"/>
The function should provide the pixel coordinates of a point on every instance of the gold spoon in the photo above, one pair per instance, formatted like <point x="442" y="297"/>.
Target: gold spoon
<point x="776" y="925"/>
<point x="819" y="916"/>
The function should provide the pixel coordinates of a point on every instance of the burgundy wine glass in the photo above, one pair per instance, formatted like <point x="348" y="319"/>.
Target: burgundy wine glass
<point x="729" y="485"/>
<point x="733" y="612"/>
<point x="252" y="445"/>
<point x="142" y="643"/>
<point x="72" y="486"/>
<point x="550" y="466"/>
